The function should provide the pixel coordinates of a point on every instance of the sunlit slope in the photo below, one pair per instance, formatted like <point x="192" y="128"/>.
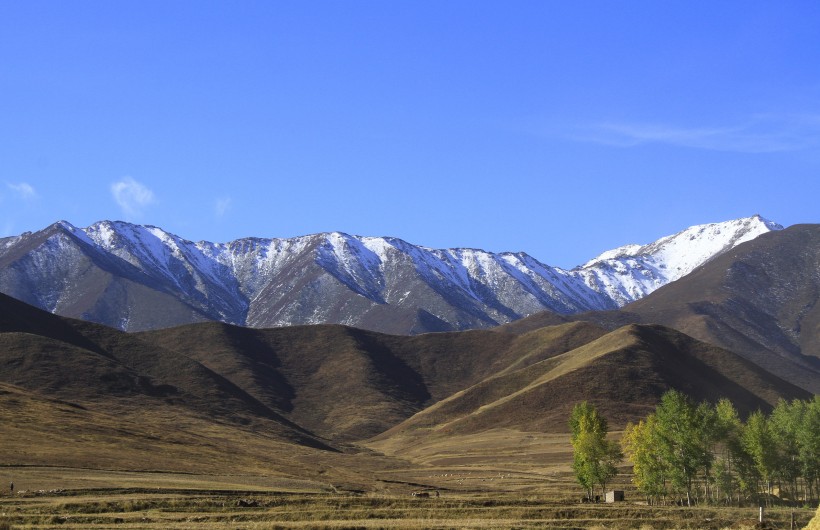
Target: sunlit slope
<point x="623" y="372"/>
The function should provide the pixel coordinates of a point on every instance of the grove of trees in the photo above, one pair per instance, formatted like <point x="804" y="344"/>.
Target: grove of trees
<point x="705" y="453"/>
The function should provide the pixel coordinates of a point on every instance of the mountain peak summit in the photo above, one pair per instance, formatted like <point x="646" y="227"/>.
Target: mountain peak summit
<point x="631" y="272"/>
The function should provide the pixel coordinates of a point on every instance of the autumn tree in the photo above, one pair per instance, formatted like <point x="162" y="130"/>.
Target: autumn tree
<point x="595" y="458"/>
<point x="649" y="469"/>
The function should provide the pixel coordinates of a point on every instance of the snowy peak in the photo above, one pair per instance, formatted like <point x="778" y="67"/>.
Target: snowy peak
<point x="115" y="273"/>
<point x="694" y="245"/>
<point x="685" y="251"/>
<point x="631" y="272"/>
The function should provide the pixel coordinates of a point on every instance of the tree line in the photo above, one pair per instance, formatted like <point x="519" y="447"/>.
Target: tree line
<point x="705" y="453"/>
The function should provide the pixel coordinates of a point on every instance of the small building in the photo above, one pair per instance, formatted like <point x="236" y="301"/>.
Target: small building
<point x="615" y="496"/>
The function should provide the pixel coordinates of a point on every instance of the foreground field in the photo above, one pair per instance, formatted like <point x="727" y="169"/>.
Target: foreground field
<point x="262" y="510"/>
<point x="121" y="500"/>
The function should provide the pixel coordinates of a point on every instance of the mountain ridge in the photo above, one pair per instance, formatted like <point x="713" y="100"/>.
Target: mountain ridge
<point x="117" y="273"/>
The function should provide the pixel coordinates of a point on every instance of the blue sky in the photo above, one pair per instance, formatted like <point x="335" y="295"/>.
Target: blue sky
<point x="562" y="129"/>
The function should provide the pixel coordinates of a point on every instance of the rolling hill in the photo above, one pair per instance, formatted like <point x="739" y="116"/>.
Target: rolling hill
<point x="324" y="385"/>
<point x="624" y="373"/>
<point x="95" y="367"/>
<point x="344" y="383"/>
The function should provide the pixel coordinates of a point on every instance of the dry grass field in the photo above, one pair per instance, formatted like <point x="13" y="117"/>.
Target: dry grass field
<point x="503" y="479"/>
<point x="187" y="502"/>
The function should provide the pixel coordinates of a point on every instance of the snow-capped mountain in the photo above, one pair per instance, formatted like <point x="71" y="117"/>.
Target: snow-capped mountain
<point x="140" y="277"/>
<point x="631" y="272"/>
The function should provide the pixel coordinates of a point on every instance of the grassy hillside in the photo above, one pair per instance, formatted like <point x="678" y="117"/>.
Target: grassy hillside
<point x="623" y="373"/>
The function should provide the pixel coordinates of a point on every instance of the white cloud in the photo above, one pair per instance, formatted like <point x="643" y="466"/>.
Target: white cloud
<point x="223" y="204"/>
<point x="765" y="133"/>
<point x="131" y="196"/>
<point x="23" y="190"/>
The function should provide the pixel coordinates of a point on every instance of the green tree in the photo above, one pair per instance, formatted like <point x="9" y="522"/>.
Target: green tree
<point x="808" y="446"/>
<point x="758" y="442"/>
<point x="785" y="421"/>
<point x="728" y="427"/>
<point x="686" y="433"/>
<point x="595" y="458"/>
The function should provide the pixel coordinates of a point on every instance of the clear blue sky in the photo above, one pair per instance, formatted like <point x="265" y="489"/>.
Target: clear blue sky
<point x="561" y="129"/>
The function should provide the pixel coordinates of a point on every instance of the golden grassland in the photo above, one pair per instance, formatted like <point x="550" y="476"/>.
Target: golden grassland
<point x="501" y="479"/>
<point x="208" y="455"/>
<point x="168" y="469"/>
<point x="219" y="502"/>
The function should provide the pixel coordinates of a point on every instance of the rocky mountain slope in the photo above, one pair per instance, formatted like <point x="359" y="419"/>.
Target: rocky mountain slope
<point x="140" y="277"/>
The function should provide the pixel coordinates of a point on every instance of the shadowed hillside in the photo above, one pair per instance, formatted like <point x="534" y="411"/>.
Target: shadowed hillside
<point x="346" y="383"/>
<point x="95" y="366"/>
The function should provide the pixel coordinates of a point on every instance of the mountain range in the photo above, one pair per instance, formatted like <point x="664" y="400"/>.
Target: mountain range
<point x="722" y="310"/>
<point x="135" y="278"/>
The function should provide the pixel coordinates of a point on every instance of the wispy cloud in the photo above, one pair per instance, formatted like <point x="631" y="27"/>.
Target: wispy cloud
<point x="131" y="196"/>
<point x="23" y="190"/>
<point x="223" y="204"/>
<point x="767" y="133"/>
